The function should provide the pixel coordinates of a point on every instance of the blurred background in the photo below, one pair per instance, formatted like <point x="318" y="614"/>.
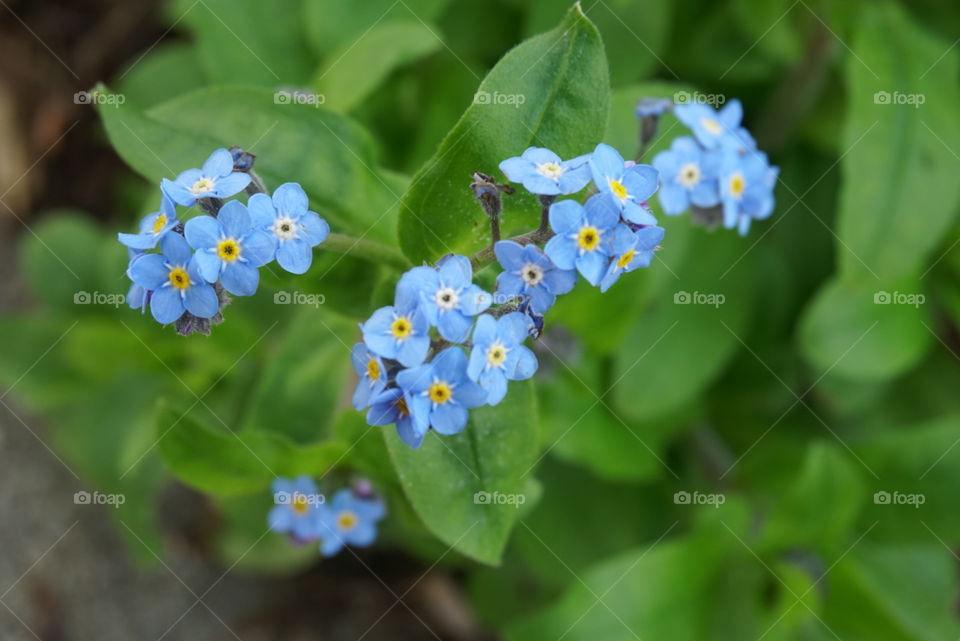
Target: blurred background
<point x="769" y="439"/>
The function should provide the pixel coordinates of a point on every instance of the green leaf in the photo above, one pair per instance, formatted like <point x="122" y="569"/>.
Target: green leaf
<point x="335" y="24"/>
<point x="357" y="69"/>
<point x="167" y="71"/>
<point x="859" y="332"/>
<point x="551" y="91"/>
<point x="493" y="454"/>
<point x="820" y="508"/>
<point x="899" y="156"/>
<point x="329" y="155"/>
<point x="248" y="42"/>
<point x="223" y="463"/>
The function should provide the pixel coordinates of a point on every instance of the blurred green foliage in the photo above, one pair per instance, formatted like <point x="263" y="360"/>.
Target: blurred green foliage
<point x="692" y="471"/>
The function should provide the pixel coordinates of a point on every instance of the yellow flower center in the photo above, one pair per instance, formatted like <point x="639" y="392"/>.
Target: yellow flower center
<point x="300" y="505"/>
<point x="159" y="223"/>
<point x="496" y="355"/>
<point x="440" y="392"/>
<point x="550" y="170"/>
<point x="228" y="250"/>
<point x="373" y="369"/>
<point x="737" y="184"/>
<point x="588" y="238"/>
<point x="401" y="328"/>
<point x="201" y="186"/>
<point x="712" y="126"/>
<point x="347" y="520"/>
<point x="618" y="189"/>
<point x="179" y="278"/>
<point x="625" y="259"/>
<point x="402" y="407"/>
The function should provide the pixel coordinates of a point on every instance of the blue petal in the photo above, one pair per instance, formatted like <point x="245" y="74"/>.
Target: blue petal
<point x="512" y="328"/>
<point x="138" y="241"/>
<point x="637" y="214"/>
<point x="592" y="265"/>
<point x="495" y="384"/>
<point x="526" y="364"/>
<point x="674" y="198"/>
<point x="201" y="300"/>
<point x="280" y="519"/>
<point x="331" y="544"/>
<point x="361" y="536"/>
<point x="649" y="237"/>
<point x="258" y="248"/>
<point x="485" y="331"/>
<point x="166" y="305"/>
<point x="474" y="300"/>
<point x="240" y="279"/>
<point x="178" y="192"/>
<point x="705" y="193"/>
<point x="294" y="256"/>
<point x="566" y="216"/>
<point x="290" y="199"/>
<point x="605" y="164"/>
<point x="449" y="418"/>
<point x="559" y="281"/>
<point x="450" y="365"/>
<point x="149" y="271"/>
<point x="508" y="284"/>
<point x="601" y="212"/>
<point x="574" y="179"/>
<point x="478" y="359"/>
<point x="416" y="379"/>
<point x="234" y="218"/>
<point x="537" y="184"/>
<point x="541" y="299"/>
<point x="456" y="271"/>
<point x="413" y="350"/>
<point x="469" y="394"/>
<point x="362" y="394"/>
<point x="175" y="249"/>
<point x="540" y="155"/>
<point x="509" y="254"/>
<point x="203" y="232"/>
<point x="230" y="185"/>
<point x="516" y="169"/>
<point x="208" y="265"/>
<point x="562" y="251"/>
<point x="315" y="228"/>
<point x="220" y="163"/>
<point x="408" y="433"/>
<point x="641" y="181"/>
<point x="454" y="326"/>
<point x="261" y="211"/>
<point x="359" y="357"/>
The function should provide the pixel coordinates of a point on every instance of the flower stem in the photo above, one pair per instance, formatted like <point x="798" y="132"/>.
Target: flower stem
<point x="537" y="237"/>
<point x="365" y="249"/>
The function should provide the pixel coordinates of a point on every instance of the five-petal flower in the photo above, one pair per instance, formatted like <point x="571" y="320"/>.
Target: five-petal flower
<point x="296" y="509"/>
<point x="216" y="179"/>
<point x="583" y="234"/>
<point x="543" y="172"/>
<point x="440" y="392"/>
<point x="287" y="219"/>
<point x="627" y="187"/>
<point x="498" y="354"/>
<point x="631" y="250"/>
<point x="401" y="331"/>
<point x="448" y="296"/>
<point x="373" y="377"/>
<point x="153" y="227"/>
<point x="688" y="174"/>
<point x="174" y="281"/>
<point x="529" y="273"/>
<point x="349" y="520"/>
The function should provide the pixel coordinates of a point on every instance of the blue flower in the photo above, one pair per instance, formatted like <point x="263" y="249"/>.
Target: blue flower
<point x="529" y="273"/>
<point x="626" y="187"/>
<point x="688" y="174"/>
<point x="631" y="250"/>
<point x="498" y="354"/>
<point x="295" y="230"/>
<point x="296" y="509"/>
<point x="653" y="107"/>
<point x="349" y="520"/>
<point x="400" y="332"/>
<point x="583" y="234"/>
<point x="440" y="392"/>
<point x="174" y="279"/>
<point x="448" y="296"/>
<point x="153" y="227"/>
<point x="230" y="248"/>
<point x="746" y="189"/>
<point x="373" y="377"/>
<point x="216" y="179"/>
<point x="542" y="172"/>
<point x="715" y="128"/>
<point x="392" y="406"/>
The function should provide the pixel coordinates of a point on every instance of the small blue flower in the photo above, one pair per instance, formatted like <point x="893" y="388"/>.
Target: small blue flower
<point x="392" y="406"/>
<point x="529" y="273"/>
<point x="216" y="179"/>
<point x="296" y="509"/>
<point x="713" y="128"/>
<point x="294" y="228"/>
<point x="349" y="520"/>
<point x="373" y="377"/>
<point x="440" y="392"/>
<point x="174" y="280"/>
<point x="627" y="187"/>
<point x="583" y="235"/>
<point x="542" y="172"/>
<point x="746" y="189"/>
<point x="653" y="107"/>
<point x="400" y="332"/>
<point x="153" y="227"/>
<point x="448" y="297"/>
<point x="498" y="354"/>
<point x="230" y="248"/>
<point x="631" y="250"/>
<point x="688" y="174"/>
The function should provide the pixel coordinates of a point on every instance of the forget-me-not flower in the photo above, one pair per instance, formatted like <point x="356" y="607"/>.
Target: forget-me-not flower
<point x="746" y="189"/>
<point x="216" y="179"/>
<point x="440" y="392"/>
<point x="294" y="228"/>
<point x="630" y="250"/>
<point x="714" y="128"/>
<point x="583" y="235"/>
<point x="392" y="407"/>
<point x="499" y="355"/>
<point x="528" y="272"/>
<point x="688" y="174"/>
<point x="373" y="377"/>
<point x="349" y="520"/>
<point x="543" y="172"/>
<point x="448" y="297"/>
<point x="153" y="227"/>
<point x="627" y="187"/>
<point x="296" y="509"/>
<point x="400" y="331"/>
<point x="173" y="276"/>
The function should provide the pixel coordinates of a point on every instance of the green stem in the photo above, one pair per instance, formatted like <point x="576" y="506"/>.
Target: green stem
<point x="365" y="249"/>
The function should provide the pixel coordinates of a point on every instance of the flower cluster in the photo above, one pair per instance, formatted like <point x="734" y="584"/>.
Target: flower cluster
<point x="184" y="271"/>
<point x="446" y="346"/>
<point x="718" y="167"/>
<point x="301" y="512"/>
